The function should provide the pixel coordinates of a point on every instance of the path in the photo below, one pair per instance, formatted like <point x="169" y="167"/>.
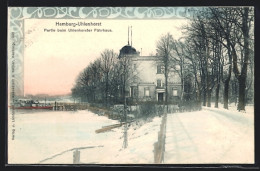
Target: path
<point x="209" y="136"/>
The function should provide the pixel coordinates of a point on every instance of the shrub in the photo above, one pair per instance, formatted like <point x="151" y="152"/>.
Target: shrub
<point x="147" y="109"/>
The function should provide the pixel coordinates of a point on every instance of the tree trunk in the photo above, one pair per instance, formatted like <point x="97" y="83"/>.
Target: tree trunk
<point x="166" y="82"/>
<point x="241" y="97"/>
<point x="166" y="92"/>
<point x="217" y="95"/>
<point x="226" y="87"/>
<point x="226" y="83"/>
<point x="204" y="95"/>
<point x="199" y="95"/>
<point x="204" y="87"/>
<point x="242" y="76"/>
<point x="241" y="80"/>
<point x="106" y="89"/>
<point x="209" y="98"/>
<point x="199" y="100"/>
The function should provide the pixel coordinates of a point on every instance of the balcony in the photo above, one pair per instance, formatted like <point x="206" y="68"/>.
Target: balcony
<point x="160" y="87"/>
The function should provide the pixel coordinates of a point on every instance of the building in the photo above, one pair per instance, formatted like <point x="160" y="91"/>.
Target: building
<point x="147" y="81"/>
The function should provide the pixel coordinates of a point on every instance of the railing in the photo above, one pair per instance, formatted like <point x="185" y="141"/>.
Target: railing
<point x="160" y="87"/>
<point x="146" y="83"/>
<point x="76" y="154"/>
<point x="159" y="146"/>
<point x="69" y="106"/>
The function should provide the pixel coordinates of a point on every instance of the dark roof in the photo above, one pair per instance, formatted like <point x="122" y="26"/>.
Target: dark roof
<point x="127" y="50"/>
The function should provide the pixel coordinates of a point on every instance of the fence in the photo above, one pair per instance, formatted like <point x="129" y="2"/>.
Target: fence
<point x="159" y="146"/>
<point x="76" y="154"/>
<point x="63" y="106"/>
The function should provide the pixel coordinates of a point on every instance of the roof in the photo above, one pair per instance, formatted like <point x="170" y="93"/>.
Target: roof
<point x="127" y="50"/>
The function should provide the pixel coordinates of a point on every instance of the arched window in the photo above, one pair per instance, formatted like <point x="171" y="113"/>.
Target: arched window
<point x="159" y="83"/>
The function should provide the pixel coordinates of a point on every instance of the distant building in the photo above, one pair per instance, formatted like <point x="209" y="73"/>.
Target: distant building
<point x="147" y="81"/>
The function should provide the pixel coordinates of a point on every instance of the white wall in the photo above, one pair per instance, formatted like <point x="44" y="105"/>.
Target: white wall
<point x="146" y="70"/>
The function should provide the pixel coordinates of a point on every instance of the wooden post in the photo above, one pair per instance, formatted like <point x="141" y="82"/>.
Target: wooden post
<point x="76" y="157"/>
<point x="155" y="152"/>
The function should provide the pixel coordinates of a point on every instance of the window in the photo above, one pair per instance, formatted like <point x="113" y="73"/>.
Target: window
<point x="146" y="92"/>
<point x="160" y="69"/>
<point x="159" y="83"/>
<point x="134" y="92"/>
<point x="175" y="92"/>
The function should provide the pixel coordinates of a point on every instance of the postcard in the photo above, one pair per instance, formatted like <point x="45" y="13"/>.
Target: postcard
<point x="131" y="85"/>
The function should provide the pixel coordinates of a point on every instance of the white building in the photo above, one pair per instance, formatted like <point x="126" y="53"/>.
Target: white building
<point x="147" y="80"/>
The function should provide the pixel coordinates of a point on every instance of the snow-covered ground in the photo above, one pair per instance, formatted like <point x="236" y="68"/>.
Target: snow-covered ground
<point x="210" y="136"/>
<point x="43" y="135"/>
<point x="207" y="136"/>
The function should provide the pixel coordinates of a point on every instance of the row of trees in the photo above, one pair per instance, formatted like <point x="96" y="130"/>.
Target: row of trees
<point x="214" y="59"/>
<point x="217" y="41"/>
<point x="104" y="80"/>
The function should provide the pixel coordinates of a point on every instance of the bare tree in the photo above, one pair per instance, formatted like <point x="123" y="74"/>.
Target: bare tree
<point x="195" y="65"/>
<point x="244" y="24"/>
<point x="198" y="31"/>
<point x="164" y="50"/>
<point x="235" y="24"/>
<point x="107" y="62"/>
<point x="220" y="23"/>
<point x="178" y="60"/>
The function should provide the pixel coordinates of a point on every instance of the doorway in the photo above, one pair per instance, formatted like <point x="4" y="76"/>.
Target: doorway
<point x="160" y="97"/>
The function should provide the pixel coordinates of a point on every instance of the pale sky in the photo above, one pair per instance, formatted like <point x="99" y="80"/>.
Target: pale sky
<point x="53" y="60"/>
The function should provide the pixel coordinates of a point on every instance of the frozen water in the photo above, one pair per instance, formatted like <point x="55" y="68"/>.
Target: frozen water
<point x="42" y="135"/>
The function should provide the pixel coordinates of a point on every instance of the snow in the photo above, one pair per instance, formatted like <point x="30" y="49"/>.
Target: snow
<point x="201" y="137"/>
<point x="140" y="145"/>
<point x="42" y="135"/>
<point x="210" y="136"/>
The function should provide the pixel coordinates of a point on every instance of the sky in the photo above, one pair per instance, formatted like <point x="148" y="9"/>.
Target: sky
<point x="53" y="60"/>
